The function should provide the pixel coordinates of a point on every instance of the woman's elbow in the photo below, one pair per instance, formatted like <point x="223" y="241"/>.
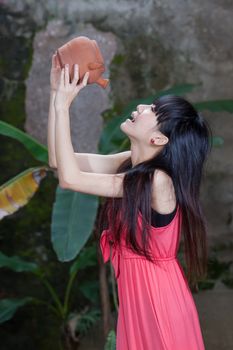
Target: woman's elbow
<point x="52" y="163"/>
<point x="62" y="182"/>
<point x="63" y="185"/>
<point x="53" y="166"/>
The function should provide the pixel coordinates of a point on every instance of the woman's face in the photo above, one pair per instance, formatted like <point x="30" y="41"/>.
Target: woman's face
<point x="144" y="124"/>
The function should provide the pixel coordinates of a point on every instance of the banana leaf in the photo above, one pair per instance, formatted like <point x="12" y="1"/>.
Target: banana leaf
<point x="18" y="191"/>
<point x="111" y="341"/>
<point x="87" y="257"/>
<point x="218" y="141"/>
<point x="8" y="307"/>
<point x="37" y="150"/>
<point x="215" y="106"/>
<point x="73" y="218"/>
<point x="90" y="289"/>
<point x="17" y="264"/>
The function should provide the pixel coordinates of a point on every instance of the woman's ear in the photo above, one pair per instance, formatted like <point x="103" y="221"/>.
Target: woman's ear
<point x="161" y="139"/>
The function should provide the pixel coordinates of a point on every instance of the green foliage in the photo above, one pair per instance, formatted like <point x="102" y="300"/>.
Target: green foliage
<point x="8" y="307"/>
<point x="84" y="320"/>
<point x="17" y="264"/>
<point x="73" y="218"/>
<point x="87" y="257"/>
<point x="217" y="270"/>
<point x="37" y="150"/>
<point x="61" y="309"/>
<point x="206" y="284"/>
<point x="215" y="106"/>
<point x="69" y="230"/>
<point x="111" y="341"/>
<point x="116" y="62"/>
<point x="118" y="59"/>
<point x="90" y="289"/>
<point x="13" y="95"/>
<point x="228" y="280"/>
<point x="218" y="141"/>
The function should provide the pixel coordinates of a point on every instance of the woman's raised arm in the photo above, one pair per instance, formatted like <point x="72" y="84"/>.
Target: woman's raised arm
<point x="69" y="173"/>
<point x="51" y="131"/>
<point x="87" y="162"/>
<point x="101" y="163"/>
<point x="55" y="73"/>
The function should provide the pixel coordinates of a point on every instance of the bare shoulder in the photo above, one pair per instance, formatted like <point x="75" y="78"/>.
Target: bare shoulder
<point x="163" y="193"/>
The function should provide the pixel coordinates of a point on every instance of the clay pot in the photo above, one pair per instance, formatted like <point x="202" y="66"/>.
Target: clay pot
<point x="86" y="53"/>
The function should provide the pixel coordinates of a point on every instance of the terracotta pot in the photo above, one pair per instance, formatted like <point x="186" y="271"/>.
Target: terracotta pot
<point x="86" y="53"/>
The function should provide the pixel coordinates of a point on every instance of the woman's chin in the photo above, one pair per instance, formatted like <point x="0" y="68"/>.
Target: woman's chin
<point x="124" y="128"/>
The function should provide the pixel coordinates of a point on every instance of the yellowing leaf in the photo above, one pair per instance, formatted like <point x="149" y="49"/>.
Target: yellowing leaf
<point x="17" y="192"/>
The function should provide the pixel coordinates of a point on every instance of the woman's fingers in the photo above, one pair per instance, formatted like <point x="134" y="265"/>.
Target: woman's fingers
<point x="54" y="61"/>
<point x="85" y="79"/>
<point x="82" y="84"/>
<point x="61" y="79"/>
<point x="76" y="75"/>
<point x="67" y="77"/>
<point x="57" y="65"/>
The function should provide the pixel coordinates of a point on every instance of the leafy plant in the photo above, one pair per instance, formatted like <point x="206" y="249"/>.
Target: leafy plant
<point x="60" y="308"/>
<point x="8" y="307"/>
<point x="37" y="150"/>
<point x="111" y="341"/>
<point x="74" y="213"/>
<point x="82" y="322"/>
<point x="19" y="190"/>
<point x="217" y="270"/>
<point x="73" y="218"/>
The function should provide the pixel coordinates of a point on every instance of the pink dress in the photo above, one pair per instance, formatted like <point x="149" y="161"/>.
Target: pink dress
<point x="156" y="306"/>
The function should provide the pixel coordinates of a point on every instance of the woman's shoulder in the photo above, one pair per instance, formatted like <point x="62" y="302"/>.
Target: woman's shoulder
<point x="163" y="193"/>
<point x="161" y="178"/>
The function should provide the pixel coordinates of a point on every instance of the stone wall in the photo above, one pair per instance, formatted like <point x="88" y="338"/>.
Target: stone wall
<point x="147" y="46"/>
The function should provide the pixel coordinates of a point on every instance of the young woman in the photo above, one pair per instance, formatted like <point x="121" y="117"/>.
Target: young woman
<point x="152" y="195"/>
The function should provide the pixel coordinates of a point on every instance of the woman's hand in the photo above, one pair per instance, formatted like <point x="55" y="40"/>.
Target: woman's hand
<point x="54" y="73"/>
<point x="67" y="91"/>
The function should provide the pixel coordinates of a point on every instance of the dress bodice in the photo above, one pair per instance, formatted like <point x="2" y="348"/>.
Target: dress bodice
<point x="163" y="242"/>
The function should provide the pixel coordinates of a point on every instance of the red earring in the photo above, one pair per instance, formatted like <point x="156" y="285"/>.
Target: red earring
<point x="152" y="141"/>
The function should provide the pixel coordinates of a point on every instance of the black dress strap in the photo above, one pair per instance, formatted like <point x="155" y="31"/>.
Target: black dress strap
<point x="159" y="220"/>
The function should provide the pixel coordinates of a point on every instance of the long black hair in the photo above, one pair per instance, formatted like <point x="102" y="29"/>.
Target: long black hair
<point x="182" y="158"/>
